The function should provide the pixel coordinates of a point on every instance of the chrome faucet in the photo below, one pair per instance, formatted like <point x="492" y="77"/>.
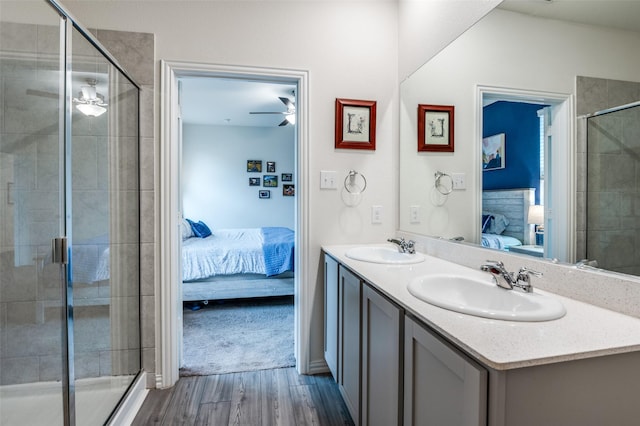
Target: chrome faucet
<point x="587" y="264"/>
<point x="404" y="246"/>
<point x="509" y="280"/>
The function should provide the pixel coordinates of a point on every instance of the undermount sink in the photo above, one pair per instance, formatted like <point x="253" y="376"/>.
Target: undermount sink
<point x="383" y="254"/>
<point x="483" y="298"/>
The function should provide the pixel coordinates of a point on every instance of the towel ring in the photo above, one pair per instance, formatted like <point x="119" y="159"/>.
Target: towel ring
<point x="440" y="186"/>
<point x="351" y="179"/>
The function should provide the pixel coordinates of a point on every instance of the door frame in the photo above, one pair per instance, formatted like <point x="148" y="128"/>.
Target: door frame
<point x="168" y="308"/>
<point x="562" y="168"/>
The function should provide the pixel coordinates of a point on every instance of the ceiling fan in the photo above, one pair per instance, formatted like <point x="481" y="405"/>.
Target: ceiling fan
<point x="289" y="114"/>
<point x="90" y="102"/>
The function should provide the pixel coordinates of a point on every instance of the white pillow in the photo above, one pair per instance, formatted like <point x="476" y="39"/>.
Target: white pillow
<point x="187" y="232"/>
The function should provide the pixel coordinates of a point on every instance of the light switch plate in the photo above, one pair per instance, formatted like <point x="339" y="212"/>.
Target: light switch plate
<point x="414" y="214"/>
<point x="376" y="214"/>
<point x="328" y="179"/>
<point x="458" y="180"/>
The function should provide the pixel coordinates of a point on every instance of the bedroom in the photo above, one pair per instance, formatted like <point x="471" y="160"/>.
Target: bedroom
<point x="513" y="175"/>
<point x="237" y="182"/>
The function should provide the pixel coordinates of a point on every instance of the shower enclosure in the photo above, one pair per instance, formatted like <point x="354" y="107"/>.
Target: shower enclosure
<point x="613" y="188"/>
<point x="69" y="222"/>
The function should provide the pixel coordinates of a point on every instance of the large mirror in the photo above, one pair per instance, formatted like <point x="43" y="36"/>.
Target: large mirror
<point x="551" y="67"/>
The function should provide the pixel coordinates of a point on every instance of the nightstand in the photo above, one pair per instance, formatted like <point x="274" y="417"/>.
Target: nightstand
<point x="531" y="250"/>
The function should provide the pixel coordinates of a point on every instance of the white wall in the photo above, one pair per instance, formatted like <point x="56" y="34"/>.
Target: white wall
<point x="426" y="26"/>
<point x="215" y="181"/>
<point x="508" y="50"/>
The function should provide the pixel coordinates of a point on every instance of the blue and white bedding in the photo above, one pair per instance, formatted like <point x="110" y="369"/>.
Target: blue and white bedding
<point x="265" y="251"/>
<point x="493" y="225"/>
<point x="500" y="242"/>
<point x="278" y="248"/>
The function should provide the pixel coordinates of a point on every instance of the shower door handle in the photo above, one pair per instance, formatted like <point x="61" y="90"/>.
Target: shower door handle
<point x="59" y="250"/>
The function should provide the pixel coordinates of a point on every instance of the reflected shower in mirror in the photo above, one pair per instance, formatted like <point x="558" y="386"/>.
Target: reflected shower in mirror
<point x="612" y="225"/>
<point x="510" y="61"/>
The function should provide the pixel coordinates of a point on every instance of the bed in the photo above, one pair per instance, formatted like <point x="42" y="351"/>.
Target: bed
<point x="504" y="218"/>
<point x="238" y="263"/>
<point x="90" y="260"/>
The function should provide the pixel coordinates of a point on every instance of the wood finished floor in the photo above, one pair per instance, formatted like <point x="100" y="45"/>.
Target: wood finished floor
<point x="254" y="398"/>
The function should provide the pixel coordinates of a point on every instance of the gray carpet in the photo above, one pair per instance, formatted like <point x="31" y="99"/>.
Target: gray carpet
<point x="238" y="336"/>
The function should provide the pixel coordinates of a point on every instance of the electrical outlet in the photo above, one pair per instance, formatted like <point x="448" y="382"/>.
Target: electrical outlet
<point x="414" y="214"/>
<point x="328" y="179"/>
<point x="376" y="214"/>
<point x="458" y="180"/>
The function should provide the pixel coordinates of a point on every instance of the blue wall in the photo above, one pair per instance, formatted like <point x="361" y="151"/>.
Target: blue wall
<point x="521" y="126"/>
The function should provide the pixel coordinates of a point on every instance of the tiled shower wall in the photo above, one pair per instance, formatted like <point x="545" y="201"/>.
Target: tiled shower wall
<point x="608" y="171"/>
<point x="135" y="52"/>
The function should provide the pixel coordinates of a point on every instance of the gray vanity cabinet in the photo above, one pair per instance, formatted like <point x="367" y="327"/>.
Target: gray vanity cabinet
<point x="349" y="343"/>
<point x="381" y="360"/>
<point x="441" y="385"/>
<point x="331" y="314"/>
<point x="363" y="346"/>
<point x="596" y="391"/>
<point x="393" y="369"/>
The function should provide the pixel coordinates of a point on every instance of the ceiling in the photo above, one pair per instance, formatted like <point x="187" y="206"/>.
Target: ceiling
<point x="228" y="101"/>
<point x="620" y="14"/>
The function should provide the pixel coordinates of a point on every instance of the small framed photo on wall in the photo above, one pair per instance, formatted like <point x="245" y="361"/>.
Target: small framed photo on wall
<point x="355" y="124"/>
<point x="270" y="181"/>
<point x="435" y="128"/>
<point x="288" y="190"/>
<point x="287" y="177"/>
<point x="254" y="166"/>
<point x="254" y="181"/>
<point x="264" y="193"/>
<point x="271" y="166"/>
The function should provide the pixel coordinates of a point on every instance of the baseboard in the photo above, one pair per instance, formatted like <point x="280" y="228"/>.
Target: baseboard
<point x="131" y="405"/>
<point x="318" y="366"/>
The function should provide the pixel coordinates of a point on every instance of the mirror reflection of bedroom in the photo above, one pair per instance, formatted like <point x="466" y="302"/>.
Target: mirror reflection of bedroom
<point x="238" y="228"/>
<point x="513" y="175"/>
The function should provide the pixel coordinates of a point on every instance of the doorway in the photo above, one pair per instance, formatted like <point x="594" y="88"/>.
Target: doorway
<point x="238" y="178"/>
<point x="169" y="334"/>
<point x="553" y="235"/>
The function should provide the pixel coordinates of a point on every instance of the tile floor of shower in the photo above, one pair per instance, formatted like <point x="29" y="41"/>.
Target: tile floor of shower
<point x="40" y="403"/>
<point x="97" y="393"/>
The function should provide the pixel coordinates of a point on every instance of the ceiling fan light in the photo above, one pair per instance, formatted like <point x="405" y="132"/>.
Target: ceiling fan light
<point x="291" y="118"/>
<point x="91" y="110"/>
<point x="88" y="92"/>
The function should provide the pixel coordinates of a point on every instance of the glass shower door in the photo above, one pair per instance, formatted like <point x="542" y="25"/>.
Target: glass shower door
<point x="103" y="225"/>
<point x="32" y="308"/>
<point x="69" y="318"/>
<point x="613" y="189"/>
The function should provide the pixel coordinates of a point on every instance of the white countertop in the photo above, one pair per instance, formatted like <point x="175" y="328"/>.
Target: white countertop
<point x="586" y="331"/>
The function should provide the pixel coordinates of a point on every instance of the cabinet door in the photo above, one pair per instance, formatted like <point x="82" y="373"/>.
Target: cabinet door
<point x="349" y="341"/>
<point x="441" y="385"/>
<point x="381" y="349"/>
<point x="331" y="314"/>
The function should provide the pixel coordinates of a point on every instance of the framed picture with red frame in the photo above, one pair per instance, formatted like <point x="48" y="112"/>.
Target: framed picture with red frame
<point x="355" y="124"/>
<point x="435" y="128"/>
